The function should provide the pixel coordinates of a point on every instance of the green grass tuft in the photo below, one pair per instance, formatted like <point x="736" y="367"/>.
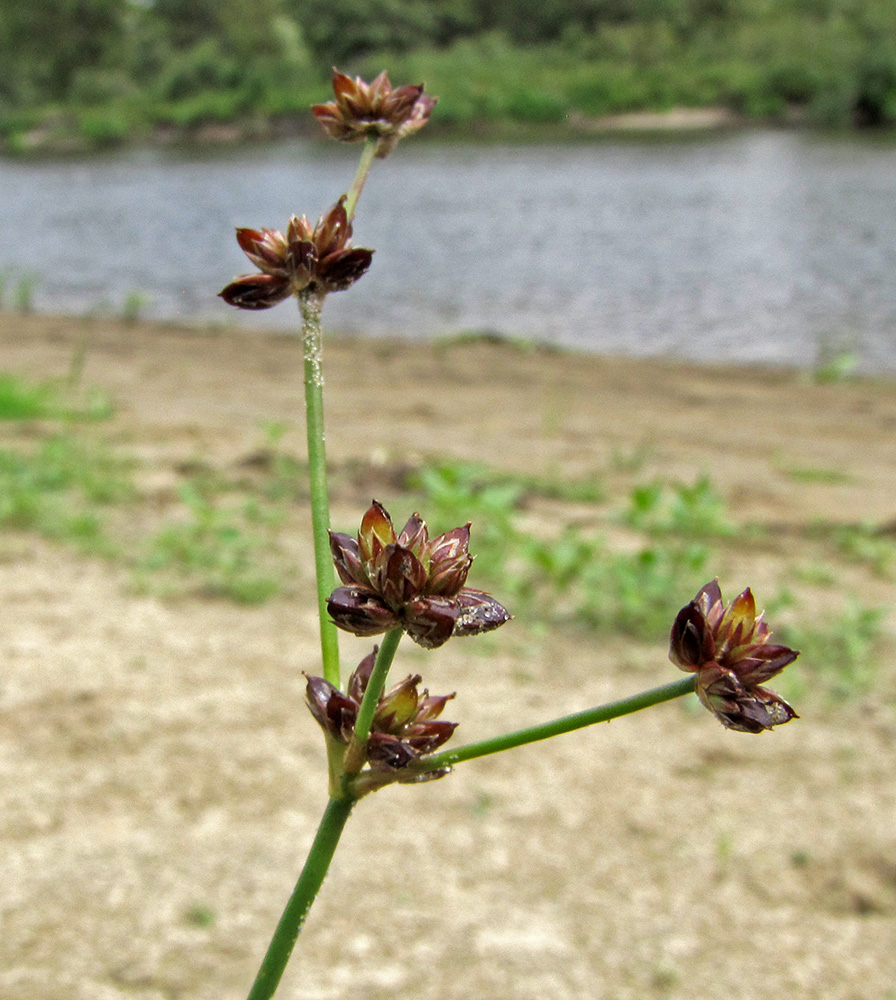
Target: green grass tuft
<point x="839" y="655"/>
<point x="215" y="549"/>
<point x="56" y="488"/>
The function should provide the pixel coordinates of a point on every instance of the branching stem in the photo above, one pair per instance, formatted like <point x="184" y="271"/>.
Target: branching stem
<point x="565" y="724"/>
<point x="356" y="753"/>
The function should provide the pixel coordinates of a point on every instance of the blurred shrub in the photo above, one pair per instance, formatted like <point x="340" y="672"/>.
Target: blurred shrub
<point x="98" y="85"/>
<point x="202" y="67"/>
<point x="526" y="61"/>
<point x="104" y="127"/>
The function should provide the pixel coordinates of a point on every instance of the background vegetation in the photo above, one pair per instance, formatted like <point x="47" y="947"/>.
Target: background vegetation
<point x="606" y="555"/>
<point x="98" y="72"/>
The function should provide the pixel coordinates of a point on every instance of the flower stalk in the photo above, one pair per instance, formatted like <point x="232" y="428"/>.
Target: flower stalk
<point x="356" y="754"/>
<point x="310" y="880"/>
<point x="310" y="306"/>
<point x="368" y="154"/>
<point x="556" y="727"/>
<point x="338" y="810"/>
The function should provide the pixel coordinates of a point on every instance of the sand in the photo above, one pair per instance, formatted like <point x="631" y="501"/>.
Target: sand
<point x="160" y="777"/>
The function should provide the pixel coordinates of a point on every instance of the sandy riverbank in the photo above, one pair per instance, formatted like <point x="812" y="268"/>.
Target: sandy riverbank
<point x="160" y="777"/>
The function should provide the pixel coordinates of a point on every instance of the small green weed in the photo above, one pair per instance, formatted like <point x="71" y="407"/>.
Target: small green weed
<point x="216" y="549"/>
<point x="685" y="511"/>
<point x="840" y="652"/>
<point x="838" y="368"/>
<point x="483" y="803"/>
<point x="58" y="486"/>
<point x="55" y="489"/>
<point x="24" y="400"/>
<point x="135" y="303"/>
<point x="453" y="484"/>
<point x="574" y="576"/>
<point x="810" y="474"/>
<point x="200" y="915"/>
<point x="454" y="493"/>
<point x="631" y="460"/>
<point x="285" y="478"/>
<point x="816" y="574"/>
<point x="639" y="593"/>
<point x="584" y="491"/>
<point x="23" y="294"/>
<point x="868" y="545"/>
<point x="21" y="400"/>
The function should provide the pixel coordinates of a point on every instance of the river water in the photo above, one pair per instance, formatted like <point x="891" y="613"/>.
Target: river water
<point x="765" y="246"/>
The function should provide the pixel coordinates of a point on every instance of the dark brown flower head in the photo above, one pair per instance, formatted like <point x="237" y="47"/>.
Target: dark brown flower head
<point x="408" y="581"/>
<point x="405" y="724"/>
<point x="728" y="648"/>
<point x="307" y="259"/>
<point x="373" y="109"/>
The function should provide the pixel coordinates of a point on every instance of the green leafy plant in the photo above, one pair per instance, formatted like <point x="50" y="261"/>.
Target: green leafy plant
<point x="869" y="544"/>
<point x="838" y="368"/>
<point x="813" y="474"/>
<point x="680" y="509"/>
<point x="215" y="548"/>
<point x="55" y="488"/>
<point x="633" y="593"/>
<point x="843" y="650"/>
<point x="864" y="543"/>
<point x="135" y="303"/>
<point x="21" y="399"/>
<point x="23" y="293"/>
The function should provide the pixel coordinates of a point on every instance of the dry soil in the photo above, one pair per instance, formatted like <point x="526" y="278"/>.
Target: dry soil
<point x="160" y="778"/>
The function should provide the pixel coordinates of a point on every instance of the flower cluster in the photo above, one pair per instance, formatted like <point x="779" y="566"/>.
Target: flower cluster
<point x="373" y="109"/>
<point x="408" y="581"/>
<point x="729" y="650"/>
<point x="405" y="724"/>
<point x="308" y="259"/>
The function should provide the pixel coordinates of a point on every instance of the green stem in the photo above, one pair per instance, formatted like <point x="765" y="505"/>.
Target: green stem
<point x="310" y="306"/>
<point x="310" y="880"/>
<point x="366" y="162"/>
<point x="356" y="753"/>
<point x="566" y="724"/>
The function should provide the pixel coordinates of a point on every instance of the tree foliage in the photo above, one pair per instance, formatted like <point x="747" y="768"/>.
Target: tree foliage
<point x="42" y="45"/>
<point x="178" y="57"/>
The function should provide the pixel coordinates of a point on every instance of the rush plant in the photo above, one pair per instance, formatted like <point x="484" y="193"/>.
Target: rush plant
<point x="396" y="582"/>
